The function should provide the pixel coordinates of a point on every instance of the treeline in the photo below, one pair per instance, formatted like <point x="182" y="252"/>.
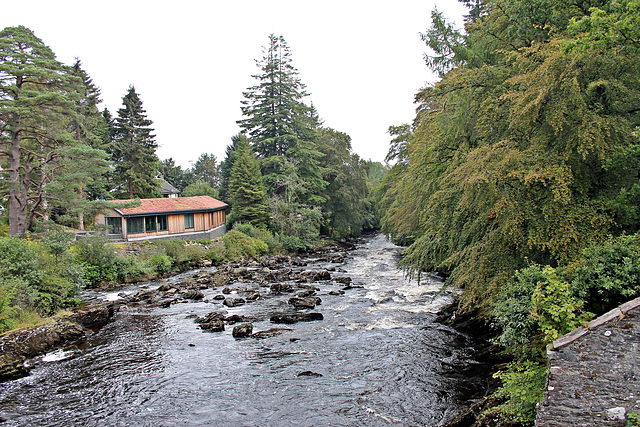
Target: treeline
<point x="518" y="178"/>
<point x="61" y="156"/>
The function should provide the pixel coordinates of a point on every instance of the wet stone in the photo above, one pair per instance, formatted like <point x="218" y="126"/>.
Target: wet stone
<point x="233" y="302"/>
<point x="296" y="317"/>
<point x="243" y="330"/>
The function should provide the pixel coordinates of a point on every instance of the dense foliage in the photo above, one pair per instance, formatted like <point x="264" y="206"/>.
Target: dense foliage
<point x="521" y="162"/>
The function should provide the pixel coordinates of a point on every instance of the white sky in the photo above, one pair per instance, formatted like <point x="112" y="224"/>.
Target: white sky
<point x="190" y="61"/>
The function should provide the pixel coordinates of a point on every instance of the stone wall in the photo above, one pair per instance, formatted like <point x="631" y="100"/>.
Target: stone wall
<point x="594" y="375"/>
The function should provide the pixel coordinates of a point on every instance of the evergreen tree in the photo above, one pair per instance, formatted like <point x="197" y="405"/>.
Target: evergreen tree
<point x="205" y="170"/>
<point x="227" y="164"/>
<point x="246" y="189"/>
<point x="280" y="126"/>
<point x="175" y="175"/>
<point x="274" y="107"/>
<point x="39" y="97"/>
<point x="134" y="151"/>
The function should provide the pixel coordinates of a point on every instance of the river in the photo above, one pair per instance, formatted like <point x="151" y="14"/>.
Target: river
<point x="378" y="358"/>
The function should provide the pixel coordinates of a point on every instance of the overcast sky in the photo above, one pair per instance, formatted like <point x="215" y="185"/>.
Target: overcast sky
<point x="190" y="61"/>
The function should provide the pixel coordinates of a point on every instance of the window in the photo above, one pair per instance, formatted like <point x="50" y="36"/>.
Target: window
<point x="188" y="220"/>
<point x="114" y="225"/>
<point x="162" y="223"/>
<point x="150" y="224"/>
<point x="135" y="225"/>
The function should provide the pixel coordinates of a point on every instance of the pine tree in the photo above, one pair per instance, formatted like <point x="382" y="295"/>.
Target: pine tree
<point x="246" y="189"/>
<point x="134" y="151"/>
<point x="39" y="97"/>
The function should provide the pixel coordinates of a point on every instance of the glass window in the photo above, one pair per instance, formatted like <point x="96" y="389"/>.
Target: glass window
<point x="162" y="223"/>
<point x="150" y="224"/>
<point x="135" y="225"/>
<point x="188" y="220"/>
<point x="114" y="225"/>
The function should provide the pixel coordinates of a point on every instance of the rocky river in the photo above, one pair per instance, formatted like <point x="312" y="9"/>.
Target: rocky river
<point x="335" y="339"/>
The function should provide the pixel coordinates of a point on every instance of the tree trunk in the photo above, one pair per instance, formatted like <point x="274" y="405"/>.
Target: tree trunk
<point x="14" y="184"/>
<point x="80" y="214"/>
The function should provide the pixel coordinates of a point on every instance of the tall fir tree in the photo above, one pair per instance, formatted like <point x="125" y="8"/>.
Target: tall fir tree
<point x="134" y="151"/>
<point x="280" y="126"/>
<point x="246" y="189"/>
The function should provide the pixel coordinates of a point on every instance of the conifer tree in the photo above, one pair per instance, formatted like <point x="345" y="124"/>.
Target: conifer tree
<point x="39" y="97"/>
<point x="134" y="151"/>
<point x="280" y="126"/>
<point x="246" y="189"/>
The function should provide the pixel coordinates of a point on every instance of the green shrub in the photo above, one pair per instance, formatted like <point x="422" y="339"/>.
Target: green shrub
<point x="522" y="388"/>
<point x="216" y="252"/>
<point x="511" y="312"/>
<point x="633" y="419"/>
<point x="239" y="245"/>
<point x="175" y="249"/>
<point x="608" y="275"/>
<point x="160" y="263"/>
<point x="291" y="243"/>
<point x="134" y="269"/>
<point x="273" y="242"/>
<point x="98" y="259"/>
<point x="7" y="310"/>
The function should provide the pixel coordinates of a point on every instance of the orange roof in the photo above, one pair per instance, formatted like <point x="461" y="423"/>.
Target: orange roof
<point x="177" y="204"/>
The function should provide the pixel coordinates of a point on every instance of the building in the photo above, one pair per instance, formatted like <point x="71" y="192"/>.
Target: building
<point x="168" y="190"/>
<point x="188" y="218"/>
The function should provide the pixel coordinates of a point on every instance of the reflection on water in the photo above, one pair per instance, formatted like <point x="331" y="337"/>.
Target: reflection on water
<point x="377" y="358"/>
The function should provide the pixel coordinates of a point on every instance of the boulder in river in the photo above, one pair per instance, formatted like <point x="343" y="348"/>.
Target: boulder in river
<point x="193" y="294"/>
<point x="280" y="288"/>
<point x="290" y="318"/>
<point x="309" y="302"/>
<point x="270" y="333"/>
<point x="210" y="317"/>
<point x="243" y="330"/>
<point x="236" y="318"/>
<point x="213" y="326"/>
<point x="233" y="302"/>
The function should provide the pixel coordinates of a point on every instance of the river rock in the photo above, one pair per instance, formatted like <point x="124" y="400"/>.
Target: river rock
<point x="243" y="330"/>
<point x="164" y="287"/>
<point x="340" y="292"/>
<point x="306" y="293"/>
<point x="213" y="326"/>
<point x="236" y="318"/>
<point x="18" y="346"/>
<point x="219" y="297"/>
<point x="193" y="294"/>
<point x="309" y="302"/>
<point x="253" y="296"/>
<point x="342" y="279"/>
<point x="270" y="333"/>
<point x="210" y="317"/>
<point x="309" y="374"/>
<point x="233" y="302"/>
<point x="279" y="288"/>
<point x="94" y="316"/>
<point x="143" y="295"/>
<point x="290" y="318"/>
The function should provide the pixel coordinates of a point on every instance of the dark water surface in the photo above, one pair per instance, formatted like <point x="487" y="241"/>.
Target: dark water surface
<point x="378" y="359"/>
